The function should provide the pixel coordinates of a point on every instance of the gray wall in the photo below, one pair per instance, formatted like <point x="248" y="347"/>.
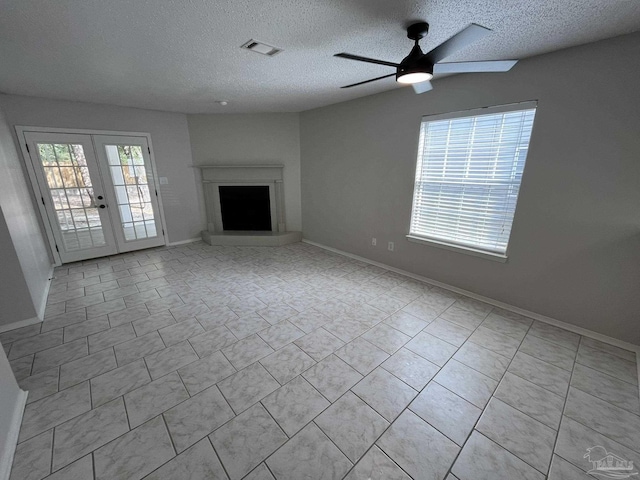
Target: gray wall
<point x="575" y="244"/>
<point x="270" y="138"/>
<point x="9" y="402"/>
<point x="169" y="135"/>
<point x="24" y="260"/>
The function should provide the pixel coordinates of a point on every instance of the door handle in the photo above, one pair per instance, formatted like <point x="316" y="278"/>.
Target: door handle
<point x="102" y="206"/>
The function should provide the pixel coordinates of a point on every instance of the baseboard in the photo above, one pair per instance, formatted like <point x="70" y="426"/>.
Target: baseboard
<point x="45" y="296"/>
<point x="183" y="242"/>
<point x="536" y="316"/>
<point x="6" y="457"/>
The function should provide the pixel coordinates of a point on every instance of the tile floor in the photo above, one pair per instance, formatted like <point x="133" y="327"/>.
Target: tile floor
<point x="202" y="362"/>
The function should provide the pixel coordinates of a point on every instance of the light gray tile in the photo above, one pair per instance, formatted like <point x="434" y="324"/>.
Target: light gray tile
<point x="411" y="368"/>
<point x="143" y="297"/>
<point x="154" y="398"/>
<point x="423" y="311"/>
<point x="189" y="310"/>
<point x="36" y="343"/>
<point x="448" y="331"/>
<point x="485" y="361"/>
<point x="117" y="382"/>
<point x="375" y="464"/>
<point x="470" y="384"/>
<point x="616" y="423"/>
<point x="32" y="459"/>
<point x="86" y="368"/>
<point x="446" y="411"/>
<point x="89" y="431"/>
<point x="195" y="418"/>
<point x="180" y="331"/>
<point x="319" y="344"/>
<point x="406" y="323"/>
<point x="473" y="305"/>
<point x="528" y="439"/>
<point x="556" y="335"/>
<point x="134" y="454"/>
<point x="153" y="322"/>
<point x="309" y="454"/>
<point x="575" y="441"/>
<point x="607" y="363"/>
<point x="101" y="287"/>
<point x="247" y="387"/>
<point x="40" y="385"/>
<point x="67" y="294"/>
<point x="246" y="325"/>
<point x="287" y="363"/>
<point x="482" y="459"/>
<point x="246" y="351"/>
<point x="548" y="352"/>
<point x="62" y="320"/>
<point x="128" y="315"/>
<point x="294" y="405"/>
<point x="386" y="338"/>
<point x="213" y="340"/>
<point x="541" y="373"/>
<point x="111" y="337"/>
<point x="83" y="302"/>
<point x="462" y="317"/>
<point x="197" y="463"/>
<point x="21" y="367"/>
<point x="55" y="356"/>
<point x="170" y="359"/>
<point x="535" y="401"/>
<point x="86" y="328"/>
<point x="118" y="293"/>
<point x="276" y="313"/>
<point x="217" y="317"/>
<point x="247" y="440"/>
<point x="137" y="348"/>
<point x="610" y="389"/>
<point x="281" y="334"/>
<point x="362" y="355"/>
<point x="203" y="373"/>
<point x="79" y="470"/>
<point x="261" y="472"/>
<point x="563" y="470"/>
<point x="54" y="410"/>
<point x="506" y="326"/>
<point x="497" y="342"/>
<point x="352" y="425"/>
<point x="20" y="333"/>
<point x="332" y="377"/>
<point x="346" y="328"/>
<point x="605" y="347"/>
<point x="385" y="393"/>
<point x="417" y="447"/>
<point x="431" y="348"/>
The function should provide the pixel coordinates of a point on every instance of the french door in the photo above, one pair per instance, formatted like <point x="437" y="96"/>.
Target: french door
<point x="98" y="192"/>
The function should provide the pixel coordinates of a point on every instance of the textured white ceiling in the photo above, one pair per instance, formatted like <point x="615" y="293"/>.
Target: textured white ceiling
<point x="183" y="55"/>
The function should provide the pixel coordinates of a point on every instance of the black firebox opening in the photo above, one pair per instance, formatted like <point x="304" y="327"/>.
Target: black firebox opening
<point x="245" y="208"/>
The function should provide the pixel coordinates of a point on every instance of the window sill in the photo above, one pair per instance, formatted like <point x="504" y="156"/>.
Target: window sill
<point x="496" y="257"/>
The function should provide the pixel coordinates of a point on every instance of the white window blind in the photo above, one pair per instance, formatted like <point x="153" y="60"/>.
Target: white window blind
<point x="468" y="176"/>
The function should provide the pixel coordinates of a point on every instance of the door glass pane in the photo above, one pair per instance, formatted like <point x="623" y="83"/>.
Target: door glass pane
<point x="129" y="176"/>
<point x="72" y="196"/>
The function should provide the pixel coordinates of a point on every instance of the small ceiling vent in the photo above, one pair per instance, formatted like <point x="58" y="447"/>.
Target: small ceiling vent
<point x="262" y="48"/>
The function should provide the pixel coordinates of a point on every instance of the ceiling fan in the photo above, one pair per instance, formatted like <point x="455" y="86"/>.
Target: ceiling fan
<point x="417" y="68"/>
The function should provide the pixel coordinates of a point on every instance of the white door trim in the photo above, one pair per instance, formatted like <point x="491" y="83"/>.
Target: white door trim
<point x="20" y="132"/>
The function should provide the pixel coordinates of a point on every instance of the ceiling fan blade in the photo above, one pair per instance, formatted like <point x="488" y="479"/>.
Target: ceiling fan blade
<point x="473" y="67"/>
<point x="422" y="87"/>
<point x="348" y="56"/>
<point x="368" y="81"/>
<point x="460" y="40"/>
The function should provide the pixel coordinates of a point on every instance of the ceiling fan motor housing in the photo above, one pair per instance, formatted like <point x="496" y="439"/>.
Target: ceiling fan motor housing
<point x="415" y="62"/>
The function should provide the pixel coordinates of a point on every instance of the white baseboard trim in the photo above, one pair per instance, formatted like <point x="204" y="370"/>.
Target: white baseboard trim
<point x="43" y="301"/>
<point x="536" y="316"/>
<point x="6" y="457"/>
<point x="183" y="242"/>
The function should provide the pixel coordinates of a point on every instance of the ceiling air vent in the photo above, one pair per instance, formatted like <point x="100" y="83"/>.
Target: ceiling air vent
<point x="262" y="48"/>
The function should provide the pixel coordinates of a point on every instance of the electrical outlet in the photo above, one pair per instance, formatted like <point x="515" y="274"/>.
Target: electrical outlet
<point x="390" y="246"/>
<point x="374" y="241"/>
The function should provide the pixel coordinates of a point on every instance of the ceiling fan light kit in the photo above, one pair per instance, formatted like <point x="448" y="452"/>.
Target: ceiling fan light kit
<point x="417" y="68"/>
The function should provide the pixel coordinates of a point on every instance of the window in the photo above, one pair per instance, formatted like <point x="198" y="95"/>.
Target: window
<point x="468" y="176"/>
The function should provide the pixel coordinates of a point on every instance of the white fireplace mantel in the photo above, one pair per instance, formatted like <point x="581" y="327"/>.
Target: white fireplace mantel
<point x="214" y="176"/>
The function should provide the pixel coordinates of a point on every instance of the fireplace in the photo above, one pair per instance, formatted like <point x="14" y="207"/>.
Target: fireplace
<point x="245" y="207"/>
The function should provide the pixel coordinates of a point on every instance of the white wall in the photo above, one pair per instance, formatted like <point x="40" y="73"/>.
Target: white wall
<point x="24" y="259"/>
<point x="268" y="138"/>
<point x="11" y="405"/>
<point x="169" y="135"/>
<point x="575" y="244"/>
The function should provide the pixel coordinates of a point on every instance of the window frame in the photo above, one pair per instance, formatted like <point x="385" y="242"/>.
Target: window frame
<point x="468" y="250"/>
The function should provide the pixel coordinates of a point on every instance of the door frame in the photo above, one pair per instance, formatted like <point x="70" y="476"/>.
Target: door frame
<point x="39" y="195"/>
